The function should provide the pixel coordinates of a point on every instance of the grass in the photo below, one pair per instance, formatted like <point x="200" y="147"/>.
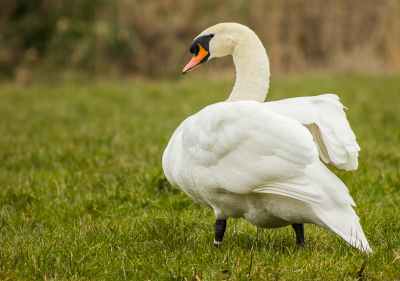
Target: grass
<point x="83" y="195"/>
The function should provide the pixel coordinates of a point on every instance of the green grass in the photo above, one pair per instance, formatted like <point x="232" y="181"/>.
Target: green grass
<point x="83" y="195"/>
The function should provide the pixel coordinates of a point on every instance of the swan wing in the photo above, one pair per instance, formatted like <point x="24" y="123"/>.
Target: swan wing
<point x="324" y="116"/>
<point x="249" y="149"/>
<point x="297" y="186"/>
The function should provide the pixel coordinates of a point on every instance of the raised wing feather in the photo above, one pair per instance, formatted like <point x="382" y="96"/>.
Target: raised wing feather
<point x="324" y="116"/>
<point x="246" y="146"/>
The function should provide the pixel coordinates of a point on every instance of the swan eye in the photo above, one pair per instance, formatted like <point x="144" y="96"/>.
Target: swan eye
<point x="211" y="35"/>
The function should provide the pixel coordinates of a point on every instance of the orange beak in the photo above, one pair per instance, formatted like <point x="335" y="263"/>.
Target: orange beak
<point x="195" y="61"/>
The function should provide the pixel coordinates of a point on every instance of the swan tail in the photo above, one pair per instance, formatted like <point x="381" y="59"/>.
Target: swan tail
<point x="336" y="212"/>
<point x="347" y="226"/>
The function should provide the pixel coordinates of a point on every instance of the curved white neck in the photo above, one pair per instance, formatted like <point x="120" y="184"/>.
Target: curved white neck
<point x="252" y="70"/>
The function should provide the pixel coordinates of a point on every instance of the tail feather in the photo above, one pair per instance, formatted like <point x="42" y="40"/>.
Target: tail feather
<point x="336" y="212"/>
<point x="344" y="222"/>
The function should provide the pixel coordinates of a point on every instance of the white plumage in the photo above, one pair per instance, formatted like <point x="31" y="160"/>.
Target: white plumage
<point x="247" y="159"/>
<point x="323" y="115"/>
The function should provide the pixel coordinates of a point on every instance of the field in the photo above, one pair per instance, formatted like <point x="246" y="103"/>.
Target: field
<point x="83" y="194"/>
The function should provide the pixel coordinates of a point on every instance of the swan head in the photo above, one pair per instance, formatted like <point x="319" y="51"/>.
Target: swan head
<point x="216" y="41"/>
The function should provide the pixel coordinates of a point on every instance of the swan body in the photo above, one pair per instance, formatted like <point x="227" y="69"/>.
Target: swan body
<point x="244" y="158"/>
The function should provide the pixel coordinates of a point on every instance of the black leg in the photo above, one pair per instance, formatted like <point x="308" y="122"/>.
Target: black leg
<point x="299" y="229"/>
<point x="219" y="229"/>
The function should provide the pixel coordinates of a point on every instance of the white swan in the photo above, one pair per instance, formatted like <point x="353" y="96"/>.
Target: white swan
<point x="244" y="158"/>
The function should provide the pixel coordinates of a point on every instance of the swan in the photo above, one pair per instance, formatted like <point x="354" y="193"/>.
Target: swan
<point x="262" y="161"/>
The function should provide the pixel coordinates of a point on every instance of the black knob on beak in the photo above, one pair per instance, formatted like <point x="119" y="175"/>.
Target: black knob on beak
<point x="194" y="48"/>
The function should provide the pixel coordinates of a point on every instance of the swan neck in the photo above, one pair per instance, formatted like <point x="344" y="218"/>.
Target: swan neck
<point x="252" y="70"/>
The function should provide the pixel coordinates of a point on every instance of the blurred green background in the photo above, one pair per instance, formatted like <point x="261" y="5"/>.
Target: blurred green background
<point x="90" y="96"/>
<point x="79" y="39"/>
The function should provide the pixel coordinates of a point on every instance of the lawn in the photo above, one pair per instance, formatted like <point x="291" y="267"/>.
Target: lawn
<point x="83" y="194"/>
